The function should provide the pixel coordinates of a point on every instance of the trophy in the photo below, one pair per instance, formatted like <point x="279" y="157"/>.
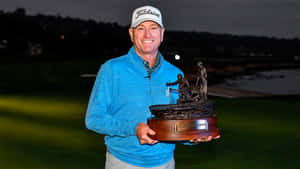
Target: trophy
<point x="191" y="117"/>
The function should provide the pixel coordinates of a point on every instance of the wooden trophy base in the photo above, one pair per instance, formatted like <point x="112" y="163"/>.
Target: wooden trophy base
<point x="180" y="130"/>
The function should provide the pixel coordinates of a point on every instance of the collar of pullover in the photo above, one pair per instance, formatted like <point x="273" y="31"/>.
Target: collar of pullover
<point x="138" y="61"/>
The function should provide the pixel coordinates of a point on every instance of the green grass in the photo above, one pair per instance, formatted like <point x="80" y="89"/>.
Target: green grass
<point x="256" y="133"/>
<point x="42" y="125"/>
<point x="46" y="132"/>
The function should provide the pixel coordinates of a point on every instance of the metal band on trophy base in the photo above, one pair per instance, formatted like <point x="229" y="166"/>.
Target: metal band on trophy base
<point x="180" y="130"/>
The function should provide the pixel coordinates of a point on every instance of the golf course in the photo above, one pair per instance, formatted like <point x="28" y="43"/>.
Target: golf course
<point x="42" y="111"/>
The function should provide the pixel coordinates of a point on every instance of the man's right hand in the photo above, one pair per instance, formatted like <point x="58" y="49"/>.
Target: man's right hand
<point x="143" y="131"/>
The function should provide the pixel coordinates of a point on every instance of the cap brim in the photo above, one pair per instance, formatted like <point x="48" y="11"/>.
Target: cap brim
<point x="146" y="19"/>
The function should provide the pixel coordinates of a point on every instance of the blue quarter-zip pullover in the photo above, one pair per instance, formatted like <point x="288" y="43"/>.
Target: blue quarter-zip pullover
<point x="120" y="100"/>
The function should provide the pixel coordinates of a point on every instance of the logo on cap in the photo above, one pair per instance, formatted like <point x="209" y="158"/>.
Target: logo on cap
<point x="146" y="11"/>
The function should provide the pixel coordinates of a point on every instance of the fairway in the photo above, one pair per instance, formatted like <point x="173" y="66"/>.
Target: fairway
<point x="42" y="126"/>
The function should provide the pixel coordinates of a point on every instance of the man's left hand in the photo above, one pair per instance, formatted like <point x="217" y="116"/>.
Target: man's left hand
<point x="204" y="139"/>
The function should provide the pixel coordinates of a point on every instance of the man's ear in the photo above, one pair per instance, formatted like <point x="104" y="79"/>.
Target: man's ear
<point x="130" y="30"/>
<point x="162" y="34"/>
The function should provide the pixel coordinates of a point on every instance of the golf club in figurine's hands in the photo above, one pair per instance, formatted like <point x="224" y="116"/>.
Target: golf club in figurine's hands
<point x="191" y="118"/>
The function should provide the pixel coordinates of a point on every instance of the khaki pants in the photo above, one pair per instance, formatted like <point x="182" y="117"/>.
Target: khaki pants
<point x="114" y="163"/>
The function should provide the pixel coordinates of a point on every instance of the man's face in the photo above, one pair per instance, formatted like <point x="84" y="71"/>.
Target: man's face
<point x="146" y="37"/>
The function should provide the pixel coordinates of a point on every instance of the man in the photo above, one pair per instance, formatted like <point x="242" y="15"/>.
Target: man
<point x="124" y="89"/>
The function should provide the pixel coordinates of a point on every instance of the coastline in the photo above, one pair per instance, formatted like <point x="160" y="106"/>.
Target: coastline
<point x="219" y="76"/>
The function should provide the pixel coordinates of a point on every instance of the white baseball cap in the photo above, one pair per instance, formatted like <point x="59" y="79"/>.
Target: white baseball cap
<point x="146" y="13"/>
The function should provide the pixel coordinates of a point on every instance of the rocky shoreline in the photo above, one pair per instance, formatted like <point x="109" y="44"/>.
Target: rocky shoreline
<point x="217" y="73"/>
<point x="217" y="76"/>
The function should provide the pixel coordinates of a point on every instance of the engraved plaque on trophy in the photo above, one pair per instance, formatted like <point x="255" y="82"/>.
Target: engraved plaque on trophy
<point x="191" y="117"/>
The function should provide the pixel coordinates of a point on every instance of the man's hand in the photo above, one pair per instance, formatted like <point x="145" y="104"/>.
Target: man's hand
<point x="204" y="139"/>
<point x="143" y="131"/>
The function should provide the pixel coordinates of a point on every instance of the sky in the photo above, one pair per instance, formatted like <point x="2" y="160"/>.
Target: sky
<point x="271" y="18"/>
